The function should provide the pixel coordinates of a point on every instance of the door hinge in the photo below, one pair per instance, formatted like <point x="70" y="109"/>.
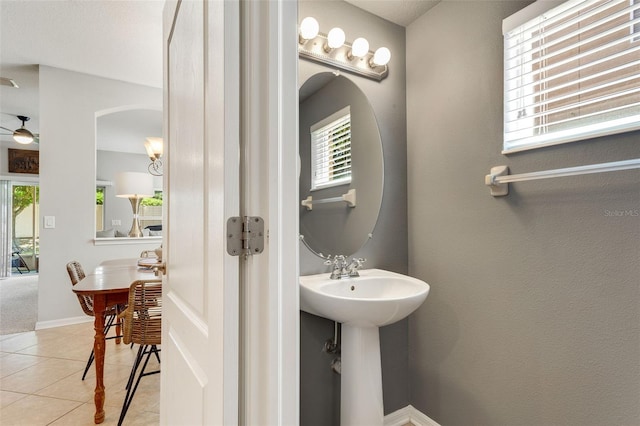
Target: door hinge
<point x="245" y="235"/>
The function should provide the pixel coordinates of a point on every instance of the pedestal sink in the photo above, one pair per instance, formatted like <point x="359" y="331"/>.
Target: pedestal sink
<point x="362" y="304"/>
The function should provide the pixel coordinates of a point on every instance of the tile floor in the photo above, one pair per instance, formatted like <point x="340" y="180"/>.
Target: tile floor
<point x="41" y="380"/>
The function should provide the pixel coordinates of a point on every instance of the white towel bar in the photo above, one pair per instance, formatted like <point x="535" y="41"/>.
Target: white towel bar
<point x="349" y="198"/>
<point x="498" y="179"/>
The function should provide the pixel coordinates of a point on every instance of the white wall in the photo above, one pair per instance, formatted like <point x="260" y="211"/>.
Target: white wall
<point x="70" y="100"/>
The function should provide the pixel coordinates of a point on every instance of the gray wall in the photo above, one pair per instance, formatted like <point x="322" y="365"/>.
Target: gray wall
<point x="534" y="315"/>
<point x="319" y="396"/>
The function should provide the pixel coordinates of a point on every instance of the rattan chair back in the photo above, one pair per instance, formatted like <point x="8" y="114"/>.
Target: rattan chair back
<point x="76" y="273"/>
<point x="143" y="316"/>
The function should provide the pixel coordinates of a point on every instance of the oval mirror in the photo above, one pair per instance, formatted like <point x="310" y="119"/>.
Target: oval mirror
<point x="340" y="157"/>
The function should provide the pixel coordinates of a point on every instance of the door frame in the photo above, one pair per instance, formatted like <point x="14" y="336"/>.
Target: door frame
<point x="269" y="182"/>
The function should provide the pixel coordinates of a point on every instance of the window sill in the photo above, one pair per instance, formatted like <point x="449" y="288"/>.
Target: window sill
<point x="126" y="241"/>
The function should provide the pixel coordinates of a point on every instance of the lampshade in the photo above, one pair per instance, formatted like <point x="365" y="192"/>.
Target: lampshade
<point x="134" y="184"/>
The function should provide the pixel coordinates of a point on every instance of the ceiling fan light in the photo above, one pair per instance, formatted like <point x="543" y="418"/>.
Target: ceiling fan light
<point x="23" y="136"/>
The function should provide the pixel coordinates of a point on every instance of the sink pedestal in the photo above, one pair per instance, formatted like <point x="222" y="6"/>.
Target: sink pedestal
<point x="361" y="378"/>
<point x="374" y="299"/>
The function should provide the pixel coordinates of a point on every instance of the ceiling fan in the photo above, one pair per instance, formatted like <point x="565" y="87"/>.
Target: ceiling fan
<point x="22" y="135"/>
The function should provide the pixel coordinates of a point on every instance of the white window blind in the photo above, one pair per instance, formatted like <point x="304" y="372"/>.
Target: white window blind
<point x="331" y="150"/>
<point x="571" y="72"/>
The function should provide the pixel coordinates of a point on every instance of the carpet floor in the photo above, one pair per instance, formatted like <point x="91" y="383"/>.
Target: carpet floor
<point x="18" y="304"/>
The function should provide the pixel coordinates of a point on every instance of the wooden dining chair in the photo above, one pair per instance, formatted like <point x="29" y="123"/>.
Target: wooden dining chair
<point x="142" y="325"/>
<point x="76" y="273"/>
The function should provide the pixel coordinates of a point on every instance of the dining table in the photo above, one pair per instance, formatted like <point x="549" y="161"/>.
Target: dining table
<point x="108" y="285"/>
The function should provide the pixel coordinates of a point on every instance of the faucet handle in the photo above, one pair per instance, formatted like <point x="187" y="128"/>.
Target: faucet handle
<point x="358" y="261"/>
<point x="355" y="264"/>
<point x="337" y="261"/>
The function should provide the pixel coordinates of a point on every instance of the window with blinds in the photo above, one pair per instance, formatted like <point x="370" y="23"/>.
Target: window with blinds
<point x="571" y="72"/>
<point x="331" y="150"/>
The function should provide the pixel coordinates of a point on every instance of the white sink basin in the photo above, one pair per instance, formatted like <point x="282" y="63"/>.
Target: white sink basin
<point x="375" y="298"/>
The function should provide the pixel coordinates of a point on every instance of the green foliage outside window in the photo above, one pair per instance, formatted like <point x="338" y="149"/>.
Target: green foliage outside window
<point x="156" y="200"/>
<point x="23" y="197"/>
<point x="99" y="196"/>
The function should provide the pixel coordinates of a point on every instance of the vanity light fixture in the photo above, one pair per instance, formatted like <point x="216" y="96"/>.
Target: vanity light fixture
<point x="154" y="149"/>
<point x="333" y="50"/>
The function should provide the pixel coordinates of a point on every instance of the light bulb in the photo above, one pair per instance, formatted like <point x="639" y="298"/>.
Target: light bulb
<point x="360" y="47"/>
<point x="381" y="57"/>
<point x="335" y="38"/>
<point x="309" y="28"/>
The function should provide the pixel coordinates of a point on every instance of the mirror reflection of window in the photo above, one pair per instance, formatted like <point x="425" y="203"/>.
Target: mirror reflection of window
<point x="151" y="214"/>
<point x="331" y="150"/>
<point x="100" y="208"/>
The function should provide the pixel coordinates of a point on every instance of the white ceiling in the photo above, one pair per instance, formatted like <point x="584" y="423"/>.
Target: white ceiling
<point x="121" y="40"/>
<point x="401" y="12"/>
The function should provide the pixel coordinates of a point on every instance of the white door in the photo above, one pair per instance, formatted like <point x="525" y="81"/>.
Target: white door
<point x="230" y="330"/>
<point x="199" y="384"/>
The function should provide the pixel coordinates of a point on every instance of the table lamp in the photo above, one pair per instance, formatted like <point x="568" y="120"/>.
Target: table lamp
<point x="134" y="186"/>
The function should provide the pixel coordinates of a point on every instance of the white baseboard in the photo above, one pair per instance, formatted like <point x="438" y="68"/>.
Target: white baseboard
<point x="41" y="325"/>
<point x="406" y="415"/>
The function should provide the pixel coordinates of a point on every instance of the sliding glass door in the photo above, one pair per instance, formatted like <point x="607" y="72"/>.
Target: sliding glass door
<point x="25" y="232"/>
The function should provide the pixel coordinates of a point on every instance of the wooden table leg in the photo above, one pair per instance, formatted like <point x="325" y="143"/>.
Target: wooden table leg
<point x="99" y="306"/>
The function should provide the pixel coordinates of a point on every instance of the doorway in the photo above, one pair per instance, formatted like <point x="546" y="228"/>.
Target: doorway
<point x="19" y="281"/>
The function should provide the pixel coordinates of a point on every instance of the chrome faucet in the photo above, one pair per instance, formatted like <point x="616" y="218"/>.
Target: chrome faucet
<point x="342" y="268"/>
<point x="339" y="270"/>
